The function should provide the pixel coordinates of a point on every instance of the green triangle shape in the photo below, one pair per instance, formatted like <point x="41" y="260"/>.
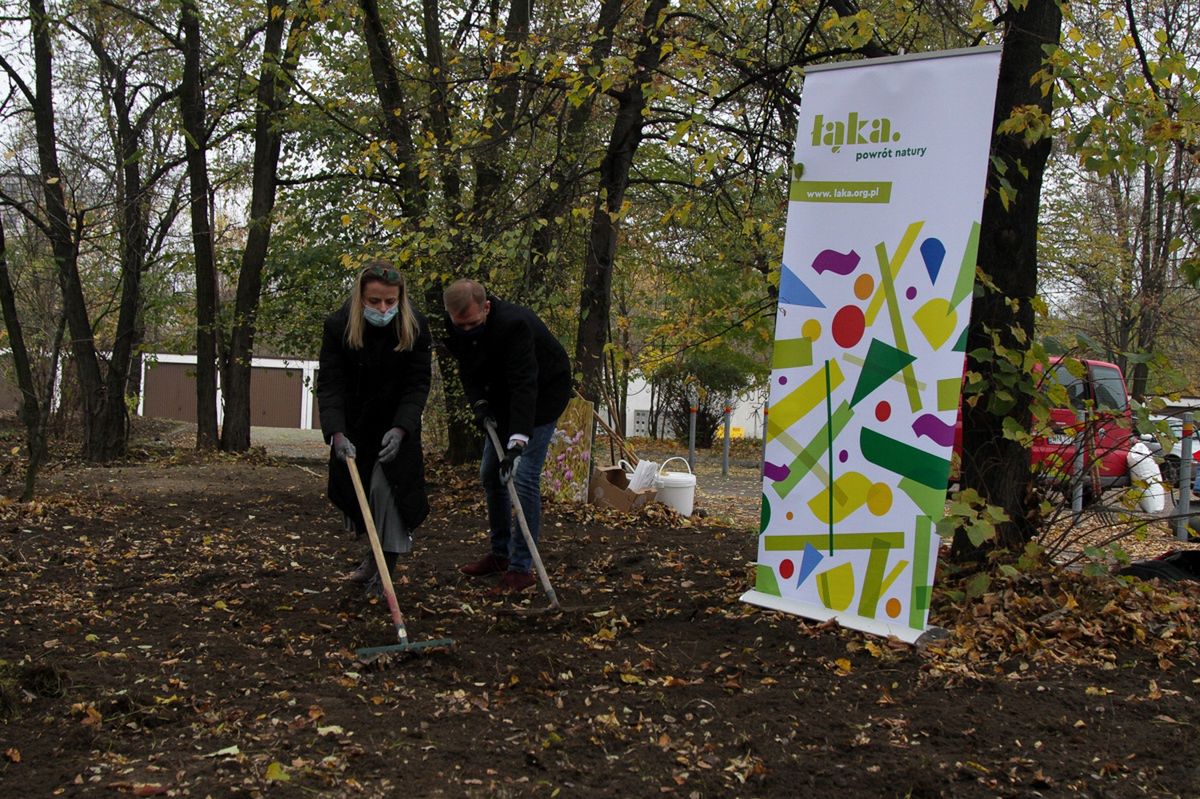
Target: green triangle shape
<point x="961" y="344"/>
<point x="882" y="362"/>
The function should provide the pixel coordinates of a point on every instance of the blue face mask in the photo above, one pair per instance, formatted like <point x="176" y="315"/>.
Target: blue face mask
<point x="380" y="318"/>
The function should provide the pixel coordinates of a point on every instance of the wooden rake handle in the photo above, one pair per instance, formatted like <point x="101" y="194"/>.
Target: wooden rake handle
<point x="385" y="579"/>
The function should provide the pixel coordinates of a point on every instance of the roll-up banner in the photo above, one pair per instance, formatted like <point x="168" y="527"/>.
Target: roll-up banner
<point x="874" y="298"/>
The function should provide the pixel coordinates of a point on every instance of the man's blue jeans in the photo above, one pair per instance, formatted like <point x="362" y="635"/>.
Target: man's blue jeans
<point x="507" y="540"/>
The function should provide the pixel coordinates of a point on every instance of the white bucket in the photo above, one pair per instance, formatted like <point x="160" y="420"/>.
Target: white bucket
<point x="676" y="489"/>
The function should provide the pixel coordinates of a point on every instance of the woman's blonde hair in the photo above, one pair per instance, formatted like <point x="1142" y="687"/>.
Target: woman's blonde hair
<point x="405" y="320"/>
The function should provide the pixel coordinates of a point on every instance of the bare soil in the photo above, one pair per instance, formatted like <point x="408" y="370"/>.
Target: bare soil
<point x="176" y="625"/>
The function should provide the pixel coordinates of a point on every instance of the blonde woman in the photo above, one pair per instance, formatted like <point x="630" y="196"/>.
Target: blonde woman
<point x="371" y="390"/>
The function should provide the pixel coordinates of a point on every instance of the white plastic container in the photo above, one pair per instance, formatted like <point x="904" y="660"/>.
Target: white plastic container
<point x="677" y="489"/>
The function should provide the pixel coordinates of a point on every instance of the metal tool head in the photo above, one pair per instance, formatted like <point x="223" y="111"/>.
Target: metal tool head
<point x="372" y="652"/>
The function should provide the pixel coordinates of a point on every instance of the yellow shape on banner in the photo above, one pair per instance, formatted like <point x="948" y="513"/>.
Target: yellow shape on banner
<point x="937" y="320"/>
<point x="807" y="396"/>
<point x="836" y="587"/>
<point x="850" y="492"/>
<point x="811" y="330"/>
<point x="879" y="498"/>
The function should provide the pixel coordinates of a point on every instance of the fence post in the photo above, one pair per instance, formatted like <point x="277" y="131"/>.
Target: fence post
<point x="1081" y="465"/>
<point x="1183" y="512"/>
<point x="725" y="456"/>
<point x="693" y="398"/>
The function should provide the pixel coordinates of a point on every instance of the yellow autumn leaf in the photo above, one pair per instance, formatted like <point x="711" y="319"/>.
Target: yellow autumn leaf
<point x="843" y="665"/>
<point x="277" y="773"/>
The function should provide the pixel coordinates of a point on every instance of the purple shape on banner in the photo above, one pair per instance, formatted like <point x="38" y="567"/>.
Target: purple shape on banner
<point x="775" y="472"/>
<point x="840" y="263"/>
<point x="792" y="290"/>
<point x="911" y="293"/>
<point x="934" y="428"/>
<point x="812" y="556"/>
<point x="933" y="252"/>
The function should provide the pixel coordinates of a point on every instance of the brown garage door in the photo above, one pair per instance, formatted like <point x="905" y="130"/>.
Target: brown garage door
<point x="275" y="396"/>
<point x="169" y="391"/>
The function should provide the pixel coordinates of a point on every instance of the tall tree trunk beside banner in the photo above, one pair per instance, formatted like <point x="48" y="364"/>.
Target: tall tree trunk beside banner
<point x="1002" y="318"/>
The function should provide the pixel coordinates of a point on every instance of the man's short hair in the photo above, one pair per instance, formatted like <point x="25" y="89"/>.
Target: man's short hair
<point x="462" y="294"/>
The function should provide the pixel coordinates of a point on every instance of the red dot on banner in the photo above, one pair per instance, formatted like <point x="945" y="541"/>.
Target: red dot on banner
<point x="848" y="326"/>
<point x="786" y="568"/>
<point x="883" y="410"/>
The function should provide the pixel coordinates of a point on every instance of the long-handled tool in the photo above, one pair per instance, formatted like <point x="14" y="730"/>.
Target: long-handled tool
<point x="524" y="525"/>
<point x="385" y="580"/>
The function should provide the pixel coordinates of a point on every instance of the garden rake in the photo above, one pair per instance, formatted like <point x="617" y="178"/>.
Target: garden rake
<point x="385" y="580"/>
<point x="524" y="525"/>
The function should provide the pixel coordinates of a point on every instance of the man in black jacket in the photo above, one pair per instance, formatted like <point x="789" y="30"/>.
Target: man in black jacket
<point x="516" y="372"/>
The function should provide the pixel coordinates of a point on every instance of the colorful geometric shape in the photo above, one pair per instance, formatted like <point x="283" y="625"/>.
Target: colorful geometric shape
<point x="793" y="291"/>
<point x="836" y="586"/>
<point x="786" y="568"/>
<point x="811" y="329"/>
<point x="872" y="588"/>
<point x="933" y="252"/>
<point x="849" y="494"/>
<point x="764" y="580"/>
<point x="936" y="320"/>
<point x="836" y="262"/>
<point x="808" y="458"/>
<point x="933" y="428"/>
<point x="948" y="393"/>
<point x="790" y="353"/>
<point x="864" y="284"/>
<point x="930" y="500"/>
<point x="904" y="459"/>
<point x="882" y="362"/>
<point x="808" y="562"/>
<point x="775" y="471"/>
<point x="802" y="400"/>
<point x="792" y="542"/>
<point x="848" y="326"/>
<point x="921" y="589"/>
<point x="965" y="284"/>
<point x="894" y="314"/>
<point x="961" y="344"/>
<point x="879" y="498"/>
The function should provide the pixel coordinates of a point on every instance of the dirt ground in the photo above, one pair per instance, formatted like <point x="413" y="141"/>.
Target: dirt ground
<point x="175" y="625"/>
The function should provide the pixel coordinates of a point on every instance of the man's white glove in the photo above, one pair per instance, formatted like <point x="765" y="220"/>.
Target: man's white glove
<point x="512" y="457"/>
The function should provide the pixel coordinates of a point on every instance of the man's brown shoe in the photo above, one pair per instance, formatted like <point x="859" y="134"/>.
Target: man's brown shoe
<point x="488" y="564"/>
<point x="514" y="582"/>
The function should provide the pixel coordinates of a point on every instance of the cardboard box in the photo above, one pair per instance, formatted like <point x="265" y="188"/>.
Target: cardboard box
<point x="609" y="488"/>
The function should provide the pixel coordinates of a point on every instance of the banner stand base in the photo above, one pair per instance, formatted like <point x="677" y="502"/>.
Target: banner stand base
<point x="873" y="626"/>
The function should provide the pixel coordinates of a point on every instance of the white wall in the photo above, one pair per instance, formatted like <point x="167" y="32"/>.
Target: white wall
<point x="747" y="411"/>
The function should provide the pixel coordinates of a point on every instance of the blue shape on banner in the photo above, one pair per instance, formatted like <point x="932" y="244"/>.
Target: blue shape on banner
<point x="792" y="290"/>
<point x="812" y="556"/>
<point x="933" y="252"/>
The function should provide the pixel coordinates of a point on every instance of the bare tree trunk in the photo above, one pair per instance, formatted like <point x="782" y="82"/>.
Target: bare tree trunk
<point x="596" y="295"/>
<point x="278" y="65"/>
<point x="997" y="467"/>
<point x="192" y="110"/>
<point x="30" y="411"/>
